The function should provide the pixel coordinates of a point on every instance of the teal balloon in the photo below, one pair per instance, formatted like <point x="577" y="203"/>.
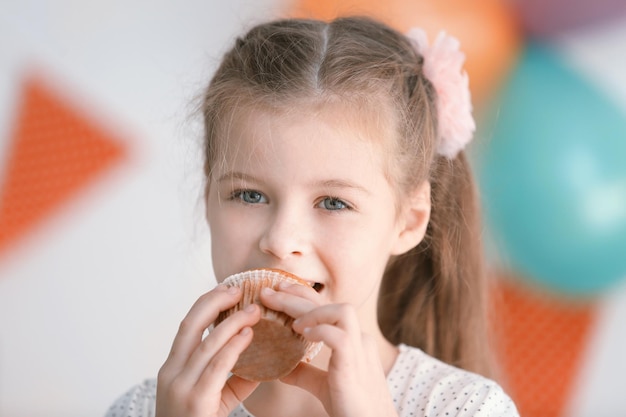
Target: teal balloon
<point x="553" y="177"/>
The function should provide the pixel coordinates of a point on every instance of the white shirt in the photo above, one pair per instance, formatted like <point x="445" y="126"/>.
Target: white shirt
<point x="420" y="385"/>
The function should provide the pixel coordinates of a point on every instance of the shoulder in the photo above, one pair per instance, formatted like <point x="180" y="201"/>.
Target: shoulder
<point x="139" y="401"/>
<point x="423" y="385"/>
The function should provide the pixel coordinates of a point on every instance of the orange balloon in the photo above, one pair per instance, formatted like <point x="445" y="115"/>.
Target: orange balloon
<point x="488" y="31"/>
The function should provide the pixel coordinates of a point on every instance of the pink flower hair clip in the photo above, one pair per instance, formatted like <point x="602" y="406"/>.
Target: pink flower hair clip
<point x="443" y="66"/>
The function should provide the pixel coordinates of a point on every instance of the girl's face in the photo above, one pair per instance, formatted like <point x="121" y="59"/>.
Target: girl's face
<point x="307" y="193"/>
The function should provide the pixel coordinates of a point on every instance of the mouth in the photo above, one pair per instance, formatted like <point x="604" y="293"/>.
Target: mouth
<point x="317" y="286"/>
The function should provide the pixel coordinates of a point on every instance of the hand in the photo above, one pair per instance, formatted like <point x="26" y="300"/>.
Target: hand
<point x="355" y="383"/>
<point x="194" y="380"/>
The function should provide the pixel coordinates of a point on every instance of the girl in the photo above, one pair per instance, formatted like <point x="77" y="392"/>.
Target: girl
<point x="334" y="151"/>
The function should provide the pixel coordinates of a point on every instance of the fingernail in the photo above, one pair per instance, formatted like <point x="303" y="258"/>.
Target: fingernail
<point x="244" y="331"/>
<point x="233" y="290"/>
<point x="284" y="285"/>
<point x="250" y="308"/>
<point x="268" y="291"/>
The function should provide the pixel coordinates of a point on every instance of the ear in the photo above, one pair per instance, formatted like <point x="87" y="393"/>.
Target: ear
<point x="413" y="219"/>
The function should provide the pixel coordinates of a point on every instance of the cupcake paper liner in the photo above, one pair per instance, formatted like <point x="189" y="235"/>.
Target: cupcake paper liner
<point x="275" y="349"/>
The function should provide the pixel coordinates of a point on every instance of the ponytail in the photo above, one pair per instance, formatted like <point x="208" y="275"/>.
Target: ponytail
<point x="433" y="297"/>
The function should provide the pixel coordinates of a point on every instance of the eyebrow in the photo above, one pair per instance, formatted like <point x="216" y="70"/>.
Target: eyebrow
<point x="329" y="184"/>
<point x="337" y="183"/>
<point x="236" y="176"/>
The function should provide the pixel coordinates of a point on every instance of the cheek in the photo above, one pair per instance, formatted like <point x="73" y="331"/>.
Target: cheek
<point x="228" y="256"/>
<point x="363" y="253"/>
<point x="219" y="250"/>
<point x="233" y="237"/>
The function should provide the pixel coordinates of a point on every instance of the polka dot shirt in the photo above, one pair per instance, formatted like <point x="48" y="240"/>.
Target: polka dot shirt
<point x="421" y="386"/>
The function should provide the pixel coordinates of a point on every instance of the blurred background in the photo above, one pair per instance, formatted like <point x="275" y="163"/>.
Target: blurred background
<point x="103" y="245"/>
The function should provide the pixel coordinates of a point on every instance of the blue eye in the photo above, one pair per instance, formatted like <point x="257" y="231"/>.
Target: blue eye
<point x="333" y="204"/>
<point x="250" y="196"/>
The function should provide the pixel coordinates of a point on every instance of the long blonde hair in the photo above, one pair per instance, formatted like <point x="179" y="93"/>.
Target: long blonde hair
<point x="433" y="296"/>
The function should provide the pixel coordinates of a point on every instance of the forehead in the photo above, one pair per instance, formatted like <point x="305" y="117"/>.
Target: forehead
<point x="331" y="127"/>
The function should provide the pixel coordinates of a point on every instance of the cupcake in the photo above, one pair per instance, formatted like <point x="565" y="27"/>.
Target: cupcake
<point x="275" y="349"/>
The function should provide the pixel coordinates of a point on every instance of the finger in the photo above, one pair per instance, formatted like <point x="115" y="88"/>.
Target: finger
<point x="202" y="314"/>
<point x="190" y="394"/>
<point x="335" y="338"/>
<point x="215" y="374"/>
<point x="309" y="378"/>
<point x="291" y="304"/>
<point x="299" y="290"/>
<point x="341" y="315"/>
<point x="235" y="392"/>
<point x="334" y="324"/>
<point x="218" y="339"/>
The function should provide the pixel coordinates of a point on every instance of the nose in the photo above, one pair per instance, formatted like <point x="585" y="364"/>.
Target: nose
<point x="285" y="235"/>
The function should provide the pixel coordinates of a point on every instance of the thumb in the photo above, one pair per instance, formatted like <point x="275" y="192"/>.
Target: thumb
<point x="309" y="378"/>
<point x="235" y="391"/>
